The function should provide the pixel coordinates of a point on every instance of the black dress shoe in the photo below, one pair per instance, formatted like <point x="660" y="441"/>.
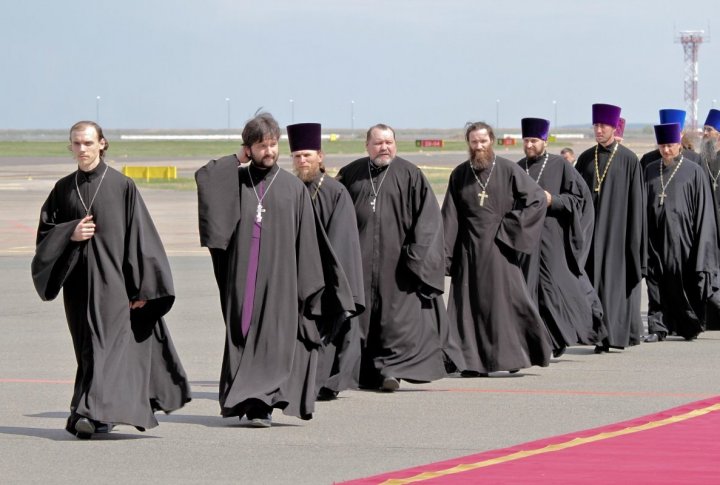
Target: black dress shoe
<point x="514" y="371"/>
<point x="84" y="428"/>
<point x="326" y="394"/>
<point x="599" y="349"/>
<point x="559" y="352"/>
<point x="473" y="373"/>
<point x="651" y="338"/>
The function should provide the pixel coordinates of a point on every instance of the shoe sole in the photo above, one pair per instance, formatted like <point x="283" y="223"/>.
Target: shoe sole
<point x="390" y="385"/>
<point x="84" y="428"/>
<point x="260" y="423"/>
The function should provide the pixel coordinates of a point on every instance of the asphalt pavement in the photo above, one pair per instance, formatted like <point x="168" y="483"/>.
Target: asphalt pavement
<point x="362" y="433"/>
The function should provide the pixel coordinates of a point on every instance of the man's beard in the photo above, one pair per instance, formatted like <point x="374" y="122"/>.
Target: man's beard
<point x="708" y="154"/>
<point x="307" y="175"/>
<point x="481" y="159"/>
<point x="264" y="163"/>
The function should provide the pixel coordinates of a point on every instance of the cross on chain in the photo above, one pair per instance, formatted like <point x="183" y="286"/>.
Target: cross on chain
<point x="258" y="213"/>
<point x="373" y="200"/>
<point x="662" y="196"/>
<point x="482" y="195"/>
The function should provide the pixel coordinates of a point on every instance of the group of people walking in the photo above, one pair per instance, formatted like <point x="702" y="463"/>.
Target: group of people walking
<point x="328" y="284"/>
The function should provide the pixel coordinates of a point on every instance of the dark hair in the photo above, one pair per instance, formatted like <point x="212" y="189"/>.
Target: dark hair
<point x="81" y="125"/>
<point x="567" y="150"/>
<point x="260" y="127"/>
<point x="379" y="126"/>
<point x="471" y="126"/>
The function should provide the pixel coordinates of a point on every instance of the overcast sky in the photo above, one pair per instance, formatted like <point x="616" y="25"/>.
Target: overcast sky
<point x="409" y="63"/>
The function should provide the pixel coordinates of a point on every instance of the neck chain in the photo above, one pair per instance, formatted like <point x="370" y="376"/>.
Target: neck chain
<point x="77" y="187"/>
<point x="483" y="195"/>
<point x="714" y="178"/>
<point x="600" y="179"/>
<point x="260" y="209"/>
<point x="374" y="196"/>
<point x="318" y="187"/>
<point x="527" y="167"/>
<point x="663" y="185"/>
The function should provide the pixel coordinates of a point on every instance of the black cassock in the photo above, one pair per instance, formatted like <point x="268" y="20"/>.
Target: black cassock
<point x="127" y="364"/>
<point x="339" y="359"/>
<point x="712" y="169"/>
<point x="653" y="155"/>
<point x="276" y="362"/>
<point x="405" y="328"/>
<point x="617" y="258"/>
<point x="555" y="272"/>
<point x="490" y="304"/>
<point x="682" y="248"/>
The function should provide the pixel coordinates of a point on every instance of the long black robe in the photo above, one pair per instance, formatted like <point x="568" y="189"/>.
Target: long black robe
<point x="276" y="362"/>
<point x="127" y="365"/>
<point x="490" y="304"/>
<point x="712" y="316"/>
<point x="645" y="160"/>
<point x="654" y="155"/>
<point x="339" y="359"/>
<point x="682" y="248"/>
<point x="618" y="254"/>
<point x="555" y="272"/>
<point x="405" y="330"/>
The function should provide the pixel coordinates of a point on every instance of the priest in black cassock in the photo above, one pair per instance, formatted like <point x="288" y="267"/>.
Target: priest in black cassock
<point x="405" y="327"/>
<point x="669" y="115"/>
<point x="710" y="160"/>
<point x="258" y="223"/>
<point x="555" y="272"/>
<point x="339" y="359"/>
<point x="682" y="240"/>
<point x="616" y="262"/>
<point x="493" y="215"/>
<point x="97" y="242"/>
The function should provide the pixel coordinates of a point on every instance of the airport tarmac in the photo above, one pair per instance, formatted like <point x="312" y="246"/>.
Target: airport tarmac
<point x="361" y="434"/>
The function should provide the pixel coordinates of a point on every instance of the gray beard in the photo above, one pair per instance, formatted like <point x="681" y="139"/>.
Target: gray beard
<point x="379" y="163"/>
<point x="709" y="155"/>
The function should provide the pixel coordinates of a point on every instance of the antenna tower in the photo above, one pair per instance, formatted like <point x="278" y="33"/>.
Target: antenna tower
<point x="691" y="40"/>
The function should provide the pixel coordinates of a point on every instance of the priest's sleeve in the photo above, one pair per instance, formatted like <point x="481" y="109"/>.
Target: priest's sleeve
<point x="55" y="254"/>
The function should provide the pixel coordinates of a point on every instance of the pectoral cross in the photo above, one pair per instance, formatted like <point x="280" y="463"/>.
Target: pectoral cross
<point x="373" y="200"/>
<point x="482" y="196"/>
<point x="597" y="189"/>
<point x="258" y="213"/>
<point x="715" y="186"/>
<point x="662" y="198"/>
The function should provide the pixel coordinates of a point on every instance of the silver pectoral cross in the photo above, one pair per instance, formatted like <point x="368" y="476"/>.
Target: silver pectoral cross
<point x="715" y="186"/>
<point x="373" y="201"/>
<point x="662" y="198"/>
<point x="258" y="213"/>
<point x="482" y="196"/>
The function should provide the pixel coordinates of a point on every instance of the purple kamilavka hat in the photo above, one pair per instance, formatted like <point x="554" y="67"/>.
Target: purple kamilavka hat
<point x="304" y="136"/>
<point x="607" y="114"/>
<point x="620" y="128"/>
<point x="535" y="128"/>
<point x="668" y="133"/>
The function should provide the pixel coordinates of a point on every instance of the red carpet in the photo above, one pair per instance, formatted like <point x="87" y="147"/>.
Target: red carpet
<point x="680" y="445"/>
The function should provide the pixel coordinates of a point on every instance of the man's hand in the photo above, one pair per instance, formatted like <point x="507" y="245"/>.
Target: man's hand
<point x="134" y="305"/>
<point x="84" y="230"/>
<point x="548" y="197"/>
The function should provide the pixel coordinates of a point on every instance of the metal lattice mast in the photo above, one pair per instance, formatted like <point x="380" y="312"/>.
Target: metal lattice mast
<point x="691" y="40"/>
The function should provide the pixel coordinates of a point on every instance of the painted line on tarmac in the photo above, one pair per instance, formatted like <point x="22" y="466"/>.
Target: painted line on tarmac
<point x="576" y="393"/>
